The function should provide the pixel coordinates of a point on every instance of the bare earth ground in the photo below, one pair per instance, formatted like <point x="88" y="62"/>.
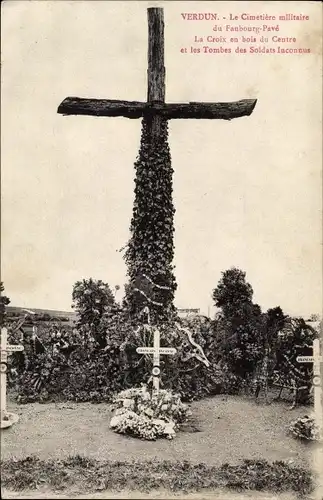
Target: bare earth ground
<point x="232" y="428"/>
<point x="160" y="495"/>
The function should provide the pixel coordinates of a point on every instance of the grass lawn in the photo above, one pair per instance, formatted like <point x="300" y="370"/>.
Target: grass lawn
<point x="231" y="429"/>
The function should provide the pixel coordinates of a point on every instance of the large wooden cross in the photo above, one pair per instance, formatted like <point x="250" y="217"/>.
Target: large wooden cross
<point x="155" y="107"/>
<point x="155" y="111"/>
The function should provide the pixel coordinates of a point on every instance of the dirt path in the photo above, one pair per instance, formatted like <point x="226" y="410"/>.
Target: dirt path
<point x="157" y="494"/>
<point x="232" y="429"/>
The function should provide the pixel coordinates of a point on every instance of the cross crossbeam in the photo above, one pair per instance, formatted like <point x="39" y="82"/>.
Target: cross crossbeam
<point x="135" y="109"/>
<point x="155" y="105"/>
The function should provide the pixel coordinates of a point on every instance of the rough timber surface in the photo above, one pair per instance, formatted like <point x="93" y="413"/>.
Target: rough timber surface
<point x="136" y="109"/>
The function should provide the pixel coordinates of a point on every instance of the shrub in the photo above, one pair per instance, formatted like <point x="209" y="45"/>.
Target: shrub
<point x="93" y="301"/>
<point x="296" y="339"/>
<point x="230" y="382"/>
<point x="4" y="301"/>
<point x="305" y="428"/>
<point x="73" y="366"/>
<point x="148" y="416"/>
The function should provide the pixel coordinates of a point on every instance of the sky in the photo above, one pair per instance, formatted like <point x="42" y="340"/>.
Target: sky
<point x="247" y="193"/>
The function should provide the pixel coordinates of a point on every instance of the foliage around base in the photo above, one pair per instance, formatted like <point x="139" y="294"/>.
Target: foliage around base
<point x="85" y="372"/>
<point x="72" y="366"/>
<point x="87" y="474"/>
<point x="150" y="250"/>
<point x="146" y="415"/>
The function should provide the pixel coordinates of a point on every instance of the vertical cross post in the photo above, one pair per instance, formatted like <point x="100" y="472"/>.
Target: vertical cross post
<point x="156" y="360"/>
<point x="317" y="381"/>
<point x="318" y="414"/>
<point x="156" y="69"/>
<point x="316" y="359"/>
<point x="3" y="375"/>
<point x="7" y="419"/>
<point x="156" y="351"/>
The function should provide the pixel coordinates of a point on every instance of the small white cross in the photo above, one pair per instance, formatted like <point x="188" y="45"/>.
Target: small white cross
<point x="316" y="359"/>
<point x="6" y="349"/>
<point x="156" y="351"/>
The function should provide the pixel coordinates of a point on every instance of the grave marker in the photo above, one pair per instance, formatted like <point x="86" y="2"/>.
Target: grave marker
<point x="156" y="351"/>
<point x="316" y="359"/>
<point x="7" y="419"/>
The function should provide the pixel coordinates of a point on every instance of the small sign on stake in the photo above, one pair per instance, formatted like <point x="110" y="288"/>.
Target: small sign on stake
<point x="14" y="348"/>
<point x="151" y="350"/>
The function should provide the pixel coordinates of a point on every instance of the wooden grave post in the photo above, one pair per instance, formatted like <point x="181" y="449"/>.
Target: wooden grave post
<point x="316" y="359"/>
<point x="156" y="351"/>
<point x="7" y="419"/>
